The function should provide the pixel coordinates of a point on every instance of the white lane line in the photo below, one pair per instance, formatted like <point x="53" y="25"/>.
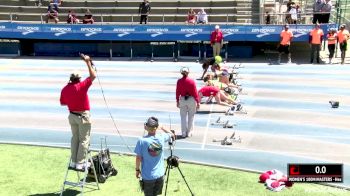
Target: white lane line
<point x="193" y="123"/>
<point x="207" y="127"/>
<point x="293" y="154"/>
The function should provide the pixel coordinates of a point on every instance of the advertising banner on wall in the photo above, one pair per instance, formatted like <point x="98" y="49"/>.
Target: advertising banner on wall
<point x="256" y="33"/>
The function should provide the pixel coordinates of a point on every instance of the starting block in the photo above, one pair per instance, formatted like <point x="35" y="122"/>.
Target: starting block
<point x="238" y="109"/>
<point x="235" y="82"/>
<point x="229" y="141"/>
<point x="225" y="124"/>
<point x="238" y="66"/>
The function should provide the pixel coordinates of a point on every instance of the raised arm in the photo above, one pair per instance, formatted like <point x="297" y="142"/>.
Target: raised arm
<point x="92" y="71"/>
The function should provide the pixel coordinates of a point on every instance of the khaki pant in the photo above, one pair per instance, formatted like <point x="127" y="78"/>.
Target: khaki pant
<point x="187" y="111"/>
<point x="81" y="127"/>
<point x="216" y="49"/>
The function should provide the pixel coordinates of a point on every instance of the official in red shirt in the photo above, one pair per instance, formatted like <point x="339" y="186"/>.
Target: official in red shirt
<point x="74" y="96"/>
<point x="187" y="100"/>
<point x="216" y="40"/>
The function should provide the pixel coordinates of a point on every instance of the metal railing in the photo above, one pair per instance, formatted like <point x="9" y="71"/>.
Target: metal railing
<point x="228" y="19"/>
<point x="128" y="18"/>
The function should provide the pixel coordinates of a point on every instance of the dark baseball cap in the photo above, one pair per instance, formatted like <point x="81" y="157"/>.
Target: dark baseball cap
<point x="74" y="76"/>
<point x="152" y="122"/>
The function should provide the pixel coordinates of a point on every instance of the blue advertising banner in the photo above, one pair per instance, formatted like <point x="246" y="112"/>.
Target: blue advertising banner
<point x="257" y="33"/>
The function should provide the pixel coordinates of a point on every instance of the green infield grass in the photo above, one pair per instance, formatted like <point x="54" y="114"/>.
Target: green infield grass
<point x="39" y="171"/>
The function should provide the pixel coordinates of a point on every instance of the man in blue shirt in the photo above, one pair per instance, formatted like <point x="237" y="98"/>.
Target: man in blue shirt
<point x="150" y="155"/>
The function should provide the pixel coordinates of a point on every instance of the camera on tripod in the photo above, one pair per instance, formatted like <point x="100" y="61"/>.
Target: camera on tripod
<point x="173" y="161"/>
<point x="172" y="140"/>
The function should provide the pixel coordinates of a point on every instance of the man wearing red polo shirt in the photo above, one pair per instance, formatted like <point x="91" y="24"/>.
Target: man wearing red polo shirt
<point x="187" y="100"/>
<point x="216" y="40"/>
<point x="74" y="96"/>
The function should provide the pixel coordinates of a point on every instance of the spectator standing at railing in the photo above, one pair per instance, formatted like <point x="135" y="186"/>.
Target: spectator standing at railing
<point x="343" y="37"/>
<point x="202" y="17"/>
<point x="216" y="40"/>
<point x="293" y="15"/>
<point x="286" y="38"/>
<point x="317" y="17"/>
<point x="268" y="18"/>
<point x="144" y="10"/>
<point x="315" y="40"/>
<point x="88" y="18"/>
<point x="326" y="8"/>
<point x="52" y="14"/>
<point x="332" y="39"/>
<point x="191" y="17"/>
<point x="288" y="15"/>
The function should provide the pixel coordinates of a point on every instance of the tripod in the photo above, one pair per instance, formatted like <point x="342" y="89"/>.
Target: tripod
<point x="173" y="161"/>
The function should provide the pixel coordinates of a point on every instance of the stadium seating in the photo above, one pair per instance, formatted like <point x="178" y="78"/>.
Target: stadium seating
<point x="126" y="11"/>
<point x="278" y="9"/>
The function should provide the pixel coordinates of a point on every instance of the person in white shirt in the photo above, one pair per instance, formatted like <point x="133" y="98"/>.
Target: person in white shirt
<point x="293" y="14"/>
<point x="202" y="17"/>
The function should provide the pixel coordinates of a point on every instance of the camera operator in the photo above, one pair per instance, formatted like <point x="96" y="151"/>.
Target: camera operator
<point x="150" y="156"/>
<point x="187" y="100"/>
<point x="75" y="96"/>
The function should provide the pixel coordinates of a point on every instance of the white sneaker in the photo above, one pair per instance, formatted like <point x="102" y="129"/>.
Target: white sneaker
<point x="81" y="166"/>
<point x="72" y="164"/>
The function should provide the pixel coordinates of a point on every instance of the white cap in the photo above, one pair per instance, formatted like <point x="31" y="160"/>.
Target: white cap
<point x="217" y="27"/>
<point x="184" y="69"/>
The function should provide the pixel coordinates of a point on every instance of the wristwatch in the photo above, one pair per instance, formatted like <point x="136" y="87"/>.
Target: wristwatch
<point x="137" y="169"/>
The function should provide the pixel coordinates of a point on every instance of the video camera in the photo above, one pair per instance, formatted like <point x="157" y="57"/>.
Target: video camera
<point x="172" y="139"/>
<point x="82" y="56"/>
<point x="173" y="161"/>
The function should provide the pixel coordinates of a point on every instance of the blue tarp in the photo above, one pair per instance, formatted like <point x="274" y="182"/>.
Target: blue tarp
<point x="257" y="33"/>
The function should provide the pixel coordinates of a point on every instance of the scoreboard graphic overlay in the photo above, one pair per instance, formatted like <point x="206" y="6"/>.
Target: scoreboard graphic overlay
<point x="300" y="172"/>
